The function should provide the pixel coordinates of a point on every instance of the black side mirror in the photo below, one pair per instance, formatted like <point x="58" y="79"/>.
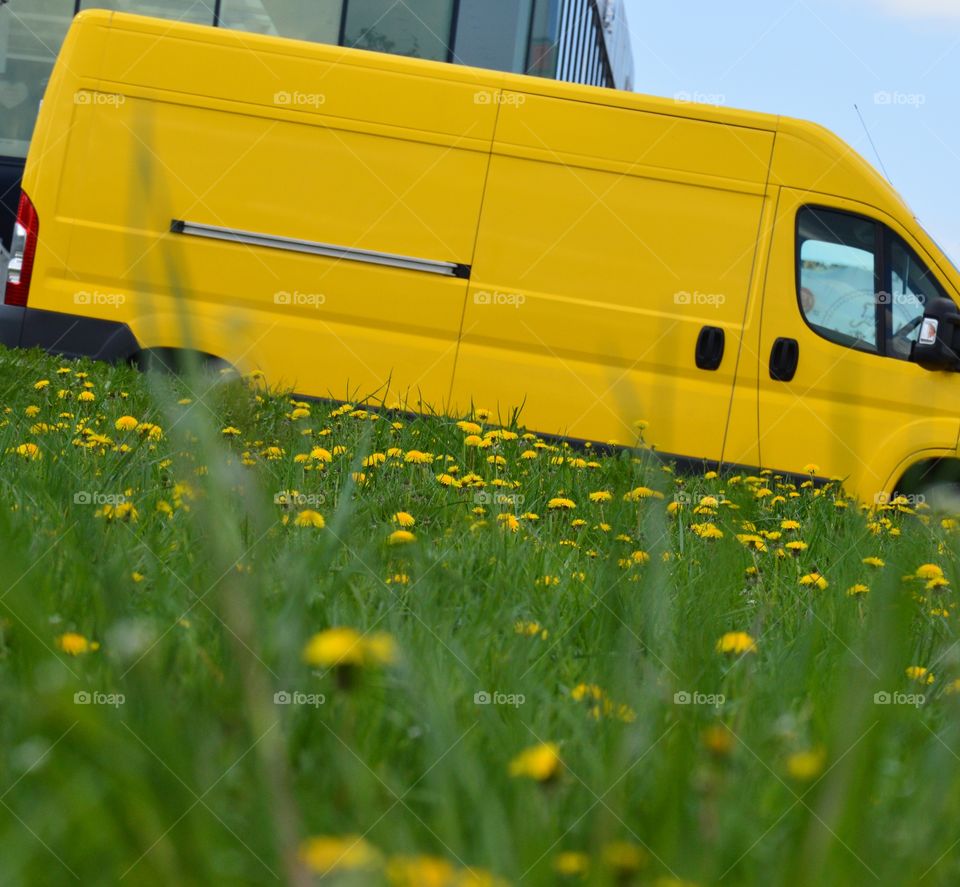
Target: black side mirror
<point x="938" y="344"/>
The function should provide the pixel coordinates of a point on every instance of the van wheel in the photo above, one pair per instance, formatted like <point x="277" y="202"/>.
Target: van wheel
<point x="934" y="482"/>
<point x="182" y="362"/>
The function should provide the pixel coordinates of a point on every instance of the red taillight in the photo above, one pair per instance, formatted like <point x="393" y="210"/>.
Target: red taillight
<point x="23" y="250"/>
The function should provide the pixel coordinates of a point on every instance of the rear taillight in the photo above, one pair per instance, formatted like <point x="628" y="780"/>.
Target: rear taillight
<point x="23" y="250"/>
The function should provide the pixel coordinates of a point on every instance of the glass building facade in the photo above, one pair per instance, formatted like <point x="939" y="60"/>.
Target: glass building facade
<point x="576" y="40"/>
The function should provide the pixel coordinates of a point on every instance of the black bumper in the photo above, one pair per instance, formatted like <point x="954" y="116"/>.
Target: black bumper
<point x="69" y="335"/>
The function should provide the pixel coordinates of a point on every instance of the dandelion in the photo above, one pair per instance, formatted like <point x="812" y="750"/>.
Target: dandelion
<point x="858" y="589"/>
<point x="706" y="531"/>
<point x="415" y="457"/>
<point x="124" y="511"/>
<point x="531" y="629"/>
<point x="874" y="562"/>
<point x="571" y="864"/>
<point x="74" y="644"/>
<point x="126" y="423"/>
<point x="86" y="396"/>
<point x="309" y="518"/>
<point x="420" y="871"/>
<point x="920" y="674"/>
<point x="561" y="504"/>
<point x="230" y="431"/>
<point x="736" y="643"/>
<point x="601" y="496"/>
<point x="401" y="537"/>
<point x="539" y="762"/>
<point x="640" y="493"/>
<point x="28" y="451"/>
<point x="789" y="525"/>
<point x="929" y="571"/>
<point x="43" y="383"/>
<point x="796" y="546"/>
<point x="321" y="455"/>
<point x="806" y="765"/>
<point x="404" y="519"/>
<point x="814" y="579"/>
<point x="624" y="857"/>
<point x="344" y="853"/>
<point x="338" y="647"/>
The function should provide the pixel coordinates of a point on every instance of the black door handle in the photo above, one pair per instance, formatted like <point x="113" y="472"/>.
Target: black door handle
<point x="784" y="357"/>
<point x="710" y="344"/>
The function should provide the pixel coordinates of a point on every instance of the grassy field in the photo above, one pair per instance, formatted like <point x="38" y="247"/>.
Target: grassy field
<point x="249" y="641"/>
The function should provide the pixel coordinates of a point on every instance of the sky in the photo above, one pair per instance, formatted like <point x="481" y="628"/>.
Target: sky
<point x="897" y="60"/>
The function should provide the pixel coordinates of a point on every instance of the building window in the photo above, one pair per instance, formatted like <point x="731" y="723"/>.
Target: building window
<point x="197" y="12"/>
<point x="31" y="32"/>
<point x="421" y="29"/>
<point x="544" y="33"/>
<point x="493" y="34"/>
<point x="315" y="20"/>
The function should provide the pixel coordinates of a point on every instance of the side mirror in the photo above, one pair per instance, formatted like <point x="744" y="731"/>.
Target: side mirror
<point x="938" y="345"/>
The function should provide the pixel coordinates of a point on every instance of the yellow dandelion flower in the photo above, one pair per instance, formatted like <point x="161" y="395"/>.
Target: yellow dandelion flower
<point x="126" y="423"/>
<point x="858" y="589"/>
<point x="539" y="762"/>
<point x="309" y="518"/>
<point x="814" y="579"/>
<point x="571" y="864"/>
<point x="401" y="537"/>
<point x="736" y="643"/>
<point x="601" y="496"/>
<point x="920" y="674"/>
<point x="348" y="647"/>
<point x="404" y="519"/>
<point x="28" y="451"/>
<point x="74" y="644"/>
<point x="874" y="562"/>
<point x="327" y="855"/>
<point x="929" y="571"/>
<point x="561" y="504"/>
<point x="806" y="765"/>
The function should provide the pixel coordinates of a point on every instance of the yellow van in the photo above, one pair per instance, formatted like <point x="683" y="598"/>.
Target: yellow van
<point x="413" y="234"/>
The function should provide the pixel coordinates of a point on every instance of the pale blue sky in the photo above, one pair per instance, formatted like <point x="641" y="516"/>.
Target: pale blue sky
<point x="899" y="60"/>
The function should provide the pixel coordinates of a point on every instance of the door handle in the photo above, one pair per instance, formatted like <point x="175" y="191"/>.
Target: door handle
<point x="710" y="344"/>
<point x="784" y="357"/>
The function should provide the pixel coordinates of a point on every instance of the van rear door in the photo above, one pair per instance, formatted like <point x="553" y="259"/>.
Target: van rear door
<point x="612" y="274"/>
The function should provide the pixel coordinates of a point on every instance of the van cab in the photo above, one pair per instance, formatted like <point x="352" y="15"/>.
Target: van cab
<point x="743" y="287"/>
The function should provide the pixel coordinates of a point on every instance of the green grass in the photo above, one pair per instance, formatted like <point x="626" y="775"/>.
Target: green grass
<point x="199" y="777"/>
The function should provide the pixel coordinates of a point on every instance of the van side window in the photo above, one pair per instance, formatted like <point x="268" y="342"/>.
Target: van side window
<point x="912" y="286"/>
<point x="837" y="276"/>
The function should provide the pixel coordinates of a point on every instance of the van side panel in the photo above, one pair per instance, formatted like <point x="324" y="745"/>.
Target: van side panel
<point x="609" y="239"/>
<point x="331" y="166"/>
